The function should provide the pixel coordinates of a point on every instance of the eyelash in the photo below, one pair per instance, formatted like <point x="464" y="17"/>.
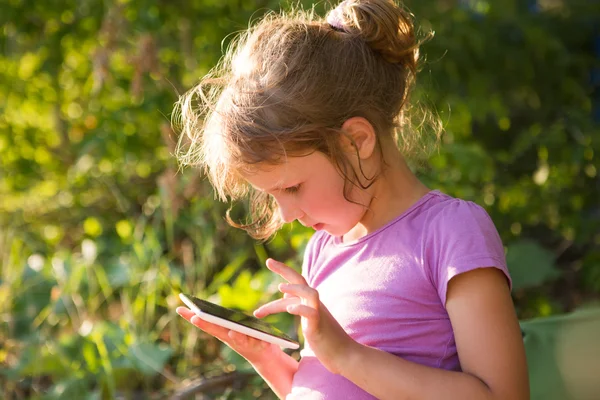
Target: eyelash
<point x="292" y="189"/>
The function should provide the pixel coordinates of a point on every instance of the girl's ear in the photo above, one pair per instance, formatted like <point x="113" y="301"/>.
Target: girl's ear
<point x="360" y="137"/>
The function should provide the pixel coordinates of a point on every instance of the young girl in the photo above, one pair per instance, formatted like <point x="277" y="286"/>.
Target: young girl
<point x="404" y="291"/>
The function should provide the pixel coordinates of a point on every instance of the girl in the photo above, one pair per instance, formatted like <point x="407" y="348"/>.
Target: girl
<point x="404" y="291"/>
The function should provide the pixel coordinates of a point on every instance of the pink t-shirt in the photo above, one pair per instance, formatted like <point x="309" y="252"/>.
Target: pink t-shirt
<point x="388" y="289"/>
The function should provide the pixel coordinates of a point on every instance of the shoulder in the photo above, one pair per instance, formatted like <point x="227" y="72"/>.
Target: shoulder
<point x="459" y="237"/>
<point x="454" y="212"/>
<point x="451" y="220"/>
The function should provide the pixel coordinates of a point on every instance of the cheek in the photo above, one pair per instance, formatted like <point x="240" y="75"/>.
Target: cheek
<point x="354" y="207"/>
<point x="332" y="203"/>
<point x="354" y="212"/>
<point x="361" y="198"/>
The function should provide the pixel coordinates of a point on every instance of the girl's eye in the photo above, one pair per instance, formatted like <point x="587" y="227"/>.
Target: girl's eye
<point x="292" y="189"/>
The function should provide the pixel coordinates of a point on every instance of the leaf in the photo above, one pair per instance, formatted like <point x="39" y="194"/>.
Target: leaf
<point x="127" y="376"/>
<point x="91" y="357"/>
<point x="40" y="363"/>
<point x="150" y="358"/>
<point x="69" y="388"/>
<point x="245" y="293"/>
<point x="530" y="264"/>
<point x="229" y="271"/>
<point x="118" y="274"/>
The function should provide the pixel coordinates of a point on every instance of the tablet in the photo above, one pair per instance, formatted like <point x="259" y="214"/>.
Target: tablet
<point x="238" y="321"/>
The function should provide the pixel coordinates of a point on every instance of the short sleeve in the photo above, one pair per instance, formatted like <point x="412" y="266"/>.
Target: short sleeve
<point x="462" y="237"/>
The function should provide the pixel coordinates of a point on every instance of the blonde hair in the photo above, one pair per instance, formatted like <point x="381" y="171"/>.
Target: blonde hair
<point x="286" y="86"/>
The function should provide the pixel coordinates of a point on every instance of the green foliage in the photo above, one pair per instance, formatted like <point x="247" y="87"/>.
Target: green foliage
<point x="99" y="231"/>
<point x="515" y="89"/>
<point x="530" y="264"/>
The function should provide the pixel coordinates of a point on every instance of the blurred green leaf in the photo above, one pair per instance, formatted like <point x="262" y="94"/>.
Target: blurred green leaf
<point x="150" y="358"/>
<point x="70" y="388"/>
<point x="530" y="264"/>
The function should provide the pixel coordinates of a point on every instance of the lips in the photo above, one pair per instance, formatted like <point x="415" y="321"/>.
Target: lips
<point x="317" y="227"/>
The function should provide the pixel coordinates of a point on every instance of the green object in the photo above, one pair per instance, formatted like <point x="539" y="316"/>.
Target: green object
<point x="563" y="354"/>
<point x="530" y="264"/>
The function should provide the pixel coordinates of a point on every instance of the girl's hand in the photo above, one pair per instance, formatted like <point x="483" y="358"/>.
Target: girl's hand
<point x="253" y="350"/>
<point x="327" y="339"/>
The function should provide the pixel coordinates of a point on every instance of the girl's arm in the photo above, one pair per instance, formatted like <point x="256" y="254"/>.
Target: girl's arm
<point x="272" y="364"/>
<point x="486" y="329"/>
<point x="488" y="340"/>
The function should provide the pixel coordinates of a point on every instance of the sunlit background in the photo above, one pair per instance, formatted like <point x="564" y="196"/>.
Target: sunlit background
<point x="99" y="231"/>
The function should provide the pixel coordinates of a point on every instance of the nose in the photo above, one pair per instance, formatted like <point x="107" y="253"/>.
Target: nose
<point x="288" y="212"/>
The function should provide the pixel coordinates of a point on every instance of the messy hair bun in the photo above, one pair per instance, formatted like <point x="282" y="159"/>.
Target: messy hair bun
<point x="384" y="26"/>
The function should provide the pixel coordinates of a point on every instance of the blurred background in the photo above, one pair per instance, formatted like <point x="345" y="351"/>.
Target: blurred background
<point x="99" y="231"/>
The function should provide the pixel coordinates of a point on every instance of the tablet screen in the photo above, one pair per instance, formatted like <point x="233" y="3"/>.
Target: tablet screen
<point x="239" y="318"/>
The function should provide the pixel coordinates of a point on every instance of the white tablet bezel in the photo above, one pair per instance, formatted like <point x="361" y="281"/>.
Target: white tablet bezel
<point x="237" y="327"/>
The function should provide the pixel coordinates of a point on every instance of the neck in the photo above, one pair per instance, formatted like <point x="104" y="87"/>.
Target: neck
<point x="393" y="192"/>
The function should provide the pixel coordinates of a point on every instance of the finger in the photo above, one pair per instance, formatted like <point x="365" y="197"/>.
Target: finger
<point x="303" y="311"/>
<point x="214" y="330"/>
<point x="304" y="291"/>
<point x="240" y="340"/>
<point x="235" y="340"/>
<point x="185" y="312"/>
<point x="277" y="306"/>
<point x="285" y="272"/>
